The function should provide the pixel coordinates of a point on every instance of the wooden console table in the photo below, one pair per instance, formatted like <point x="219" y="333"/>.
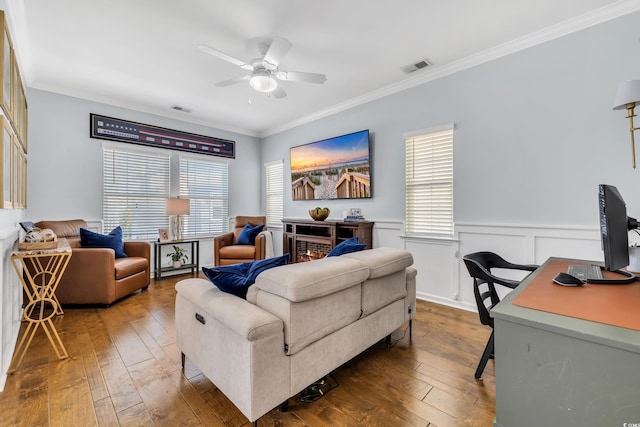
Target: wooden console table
<point x="307" y="239"/>
<point x="40" y="272"/>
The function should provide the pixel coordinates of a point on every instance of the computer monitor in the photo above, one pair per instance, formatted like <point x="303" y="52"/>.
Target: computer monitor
<point x="614" y="227"/>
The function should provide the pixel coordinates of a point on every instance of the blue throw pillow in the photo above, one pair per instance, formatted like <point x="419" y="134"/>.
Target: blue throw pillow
<point x="248" y="234"/>
<point x="230" y="278"/>
<point x="259" y="266"/>
<point x="348" y="246"/>
<point x="113" y="240"/>
<point x="235" y="279"/>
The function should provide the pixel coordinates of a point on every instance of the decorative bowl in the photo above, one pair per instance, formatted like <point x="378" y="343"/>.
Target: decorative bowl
<point x="319" y="214"/>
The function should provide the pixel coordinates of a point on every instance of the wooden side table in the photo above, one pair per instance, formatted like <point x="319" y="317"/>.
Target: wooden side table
<point x="40" y="275"/>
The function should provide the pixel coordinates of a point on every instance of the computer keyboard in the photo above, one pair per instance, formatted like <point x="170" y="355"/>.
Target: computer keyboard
<point x="585" y="272"/>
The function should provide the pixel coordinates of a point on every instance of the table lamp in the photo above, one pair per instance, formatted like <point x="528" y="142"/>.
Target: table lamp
<point x="176" y="207"/>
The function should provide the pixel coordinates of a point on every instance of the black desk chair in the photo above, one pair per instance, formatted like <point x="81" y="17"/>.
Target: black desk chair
<point x="479" y="265"/>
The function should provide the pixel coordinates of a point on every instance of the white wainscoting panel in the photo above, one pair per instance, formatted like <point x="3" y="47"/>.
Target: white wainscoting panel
<point x="11" y="303"/>
<point x="435" y="260"/>
<point x="388" y="234"/>
<point x="443" y="277"/>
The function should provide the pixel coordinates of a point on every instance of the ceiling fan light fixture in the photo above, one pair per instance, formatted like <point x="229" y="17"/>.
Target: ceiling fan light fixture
<point x="263" y="82"/>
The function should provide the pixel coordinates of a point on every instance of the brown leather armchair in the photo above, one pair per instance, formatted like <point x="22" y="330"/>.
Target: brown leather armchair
<point x="226" y="250"/>
<point x="95" y="275"/>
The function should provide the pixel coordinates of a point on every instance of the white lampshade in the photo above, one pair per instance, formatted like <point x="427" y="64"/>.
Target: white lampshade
<point x="177" y="206"/>
<point x="262" y="81"/>
<point x="628" y="92"/>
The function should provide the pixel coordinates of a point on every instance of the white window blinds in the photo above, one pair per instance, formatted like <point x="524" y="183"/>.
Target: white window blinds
<point x="275" y="192"/>
<point x="429" y="182"/>
<point x="206" y="183"/>
<point x="135" y="186"/>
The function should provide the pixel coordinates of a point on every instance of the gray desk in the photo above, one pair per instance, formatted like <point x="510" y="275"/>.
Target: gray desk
<point x="554" y="370"/>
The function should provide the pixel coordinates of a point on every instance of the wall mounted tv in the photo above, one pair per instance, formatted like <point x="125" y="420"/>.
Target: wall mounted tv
<point x="334" y="168"/>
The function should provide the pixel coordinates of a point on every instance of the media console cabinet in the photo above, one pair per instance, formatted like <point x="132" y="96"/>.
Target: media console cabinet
<point x="307" y="240"/>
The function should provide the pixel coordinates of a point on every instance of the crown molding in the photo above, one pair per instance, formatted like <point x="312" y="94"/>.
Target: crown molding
<point x="116" y="102"/>
<point x="598" y="16"/>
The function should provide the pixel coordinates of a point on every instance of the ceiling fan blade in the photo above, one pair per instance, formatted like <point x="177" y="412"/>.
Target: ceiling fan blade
<point x="232" y="81"/>
<point x="278" y="49"/>
<point x="299" y="76"/>
<point x="220" y="54"/>
<point x="279" y="92"/>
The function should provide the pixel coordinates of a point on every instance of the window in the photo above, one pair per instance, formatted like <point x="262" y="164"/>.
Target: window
<point x="429" y="181"/>
<point x="206" y="183"/>
<point x="135" y="186"/>
<point x="275" y="192"/>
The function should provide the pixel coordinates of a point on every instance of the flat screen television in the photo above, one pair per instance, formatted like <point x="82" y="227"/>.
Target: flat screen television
<point x="334" y="168"/>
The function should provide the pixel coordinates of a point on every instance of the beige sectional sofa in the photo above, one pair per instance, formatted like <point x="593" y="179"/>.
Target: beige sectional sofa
<point x="299" y="322"/>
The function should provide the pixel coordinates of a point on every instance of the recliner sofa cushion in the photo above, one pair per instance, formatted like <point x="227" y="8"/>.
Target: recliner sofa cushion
<point x="382" y="291"/>
<point x="387" y="276"/>
<point x="304" y="281"/>
<point x="69" y="229"/>
<point x="238" y="252"/>
<point x="307" y="321"/>
<point x="130" y="265"/>
<point x="382" y="261"/>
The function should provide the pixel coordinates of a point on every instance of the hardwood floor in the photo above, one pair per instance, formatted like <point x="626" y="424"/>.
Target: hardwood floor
<point x="124" y="370"/>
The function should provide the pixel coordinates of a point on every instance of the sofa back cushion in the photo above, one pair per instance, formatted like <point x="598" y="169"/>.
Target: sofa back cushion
<point x="307" y="280"/>
<point x="308" y="321"/>
<point x="69" y="229"/>
<point x="382" y="261"/>
<point x="313" y="299"/>
<point x="387" y="276"/>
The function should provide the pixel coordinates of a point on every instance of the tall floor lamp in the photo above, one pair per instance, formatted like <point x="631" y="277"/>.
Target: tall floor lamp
<point x="627" y="96"/>
<point x="176" y="208"/>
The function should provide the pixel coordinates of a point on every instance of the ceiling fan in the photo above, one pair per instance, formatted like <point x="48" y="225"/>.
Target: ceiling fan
<point x="264" y="70"/>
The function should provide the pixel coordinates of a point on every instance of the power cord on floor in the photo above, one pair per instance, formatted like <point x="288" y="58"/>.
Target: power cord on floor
<point x="318" y="389"/>
<point x="404" y="334"/>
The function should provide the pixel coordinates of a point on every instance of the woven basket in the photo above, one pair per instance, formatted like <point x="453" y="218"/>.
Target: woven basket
<point x="32" y="246"/>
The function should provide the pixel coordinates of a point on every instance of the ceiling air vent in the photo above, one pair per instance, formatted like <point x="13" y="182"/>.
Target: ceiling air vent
<point x="423" y="63"/>
<point x="181" y="109"/>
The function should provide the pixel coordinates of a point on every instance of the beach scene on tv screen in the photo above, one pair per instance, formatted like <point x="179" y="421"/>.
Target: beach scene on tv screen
<point x="336" y="168"/>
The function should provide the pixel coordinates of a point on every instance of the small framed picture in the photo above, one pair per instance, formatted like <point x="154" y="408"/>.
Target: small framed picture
<point x="164" y="234"/>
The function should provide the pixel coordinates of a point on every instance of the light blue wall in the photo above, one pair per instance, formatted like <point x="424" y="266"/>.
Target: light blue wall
<point x="65" y="164"/>
<point x="535" y="133"/>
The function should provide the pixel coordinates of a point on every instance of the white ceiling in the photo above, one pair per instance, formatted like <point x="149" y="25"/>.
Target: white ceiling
<point x="142" y="54"/>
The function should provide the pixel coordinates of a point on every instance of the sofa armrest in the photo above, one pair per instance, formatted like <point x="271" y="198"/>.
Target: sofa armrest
<point x="247" y="320"/>
<point x="223" y="240"/>
<point x="138" y="249"/>
<point x="260" y="245"/>
<point x="89" y="277"/>
<point x="220" y="242"/>
<point x="95" y="261"/>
